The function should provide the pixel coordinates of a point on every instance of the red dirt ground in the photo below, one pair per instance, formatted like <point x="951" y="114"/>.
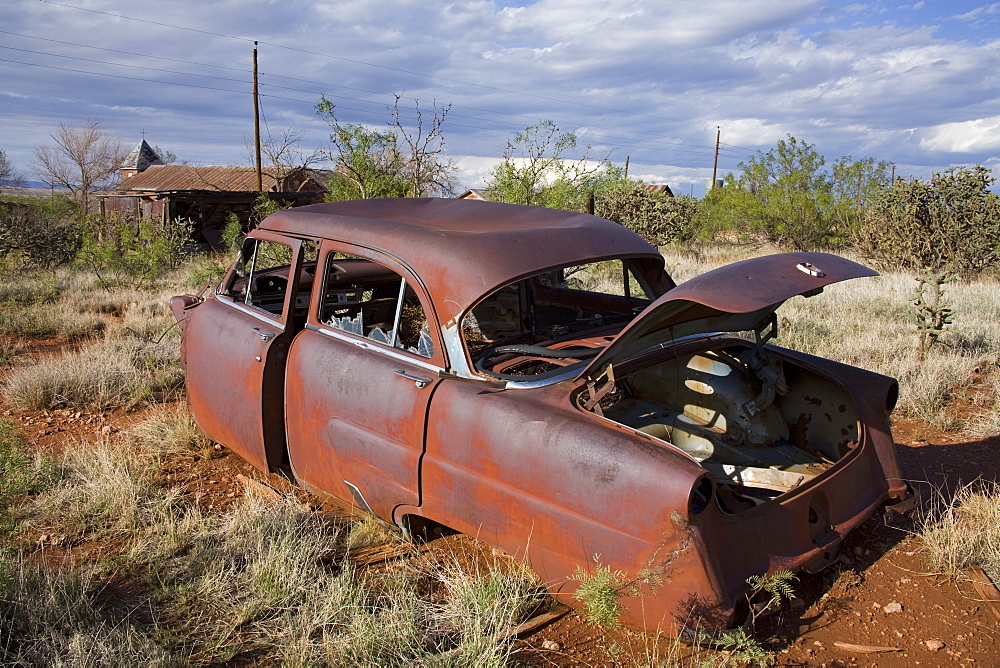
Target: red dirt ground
<point x="879" y="594"/>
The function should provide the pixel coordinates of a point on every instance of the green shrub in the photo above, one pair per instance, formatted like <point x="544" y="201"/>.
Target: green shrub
<point x="37" y="236"/>
<point x="126" y="255"/>
<point x="948" y="224"/>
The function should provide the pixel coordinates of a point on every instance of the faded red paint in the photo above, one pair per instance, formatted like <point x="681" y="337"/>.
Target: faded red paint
<point x="538" y="470"/>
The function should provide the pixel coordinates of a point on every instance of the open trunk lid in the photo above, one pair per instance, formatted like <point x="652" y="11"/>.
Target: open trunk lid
<point x="737" y="297"/>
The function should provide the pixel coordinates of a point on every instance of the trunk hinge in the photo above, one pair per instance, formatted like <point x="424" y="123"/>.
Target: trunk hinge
<point x="772" y="379"/>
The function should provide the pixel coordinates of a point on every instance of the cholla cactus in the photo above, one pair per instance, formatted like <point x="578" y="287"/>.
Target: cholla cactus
<point x="932" y="314"/>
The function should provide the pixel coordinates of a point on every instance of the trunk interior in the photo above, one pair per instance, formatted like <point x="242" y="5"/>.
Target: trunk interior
<point x="759" y="423"/>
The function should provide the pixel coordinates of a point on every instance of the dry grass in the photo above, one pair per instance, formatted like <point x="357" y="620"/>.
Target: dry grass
<point x="963" y="529"/>
<point x="258" y="583"/>
<point x="43" y="321"/>
<point x="111" y="374"/>
<point x="171" y="432"/>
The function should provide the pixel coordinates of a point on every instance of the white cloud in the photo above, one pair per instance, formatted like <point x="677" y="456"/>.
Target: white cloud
<point x="650" y="80"/>
<point x="979" y="135"/>
<point x="979" y="12"/>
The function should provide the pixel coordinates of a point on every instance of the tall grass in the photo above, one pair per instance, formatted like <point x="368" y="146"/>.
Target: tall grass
<point x="963" y="529"/>
<point x="259" y="583"/>
<point x="114" y="373"/>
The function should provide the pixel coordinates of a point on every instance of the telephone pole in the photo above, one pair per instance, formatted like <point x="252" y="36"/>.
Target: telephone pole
<point x="715" y="164"/>
<point x="256" y="122"/>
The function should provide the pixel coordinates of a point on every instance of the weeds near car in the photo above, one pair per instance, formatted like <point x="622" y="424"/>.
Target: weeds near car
<point x="259" y="582"/>
<point x="962" y="530"/>
<point x="600" y="591"/>
<point x="739" y="648"/>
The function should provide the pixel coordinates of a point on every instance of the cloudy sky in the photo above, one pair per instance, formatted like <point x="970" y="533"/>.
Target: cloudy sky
<point x="914" y="83"/>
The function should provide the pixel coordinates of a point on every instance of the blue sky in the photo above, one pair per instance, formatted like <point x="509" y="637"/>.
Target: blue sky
<point x="914" y="83"/>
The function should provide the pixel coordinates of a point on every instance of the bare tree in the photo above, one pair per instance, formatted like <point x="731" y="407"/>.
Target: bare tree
<point x="9" y="177"/>
<point x="284" y="153"/>
<point x="429" y="173"/>
<point x="82" y="160"/>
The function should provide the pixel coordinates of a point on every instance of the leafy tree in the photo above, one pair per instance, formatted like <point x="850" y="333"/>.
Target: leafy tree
<point x="9" y="177"/>
<point x="82" y="160"/>
<point x="536" y="170"/>
<point x="784" y="195"/>
<point x="368" y="163"/>
<point x="856" y="186"/>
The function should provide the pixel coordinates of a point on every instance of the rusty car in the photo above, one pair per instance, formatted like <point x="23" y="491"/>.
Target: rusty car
<point x="535" y="379"/>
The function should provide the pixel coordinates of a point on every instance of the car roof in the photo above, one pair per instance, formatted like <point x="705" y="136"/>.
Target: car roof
<point x="463" y="249"/>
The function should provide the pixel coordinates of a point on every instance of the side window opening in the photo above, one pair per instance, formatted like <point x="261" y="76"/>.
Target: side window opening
<point x="260" y="277"/>
<point x="366" y="299"/>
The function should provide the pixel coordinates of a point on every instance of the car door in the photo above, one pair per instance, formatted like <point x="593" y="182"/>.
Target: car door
<point x="360" y="378"/>
<point x="236" y="348"/>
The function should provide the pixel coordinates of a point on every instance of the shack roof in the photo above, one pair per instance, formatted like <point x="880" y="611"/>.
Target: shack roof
<point x="462" y="249"/>
<point x="174" y="178"/>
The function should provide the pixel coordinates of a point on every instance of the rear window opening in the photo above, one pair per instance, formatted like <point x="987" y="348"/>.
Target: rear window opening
<point x="537" y="326"/>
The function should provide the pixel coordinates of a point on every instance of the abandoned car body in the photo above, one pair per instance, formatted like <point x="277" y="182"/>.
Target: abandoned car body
<point x="534" y="378"/>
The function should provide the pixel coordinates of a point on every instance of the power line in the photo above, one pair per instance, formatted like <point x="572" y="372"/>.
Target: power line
<point x="368" y="64"/>
<point x="128" y="65"/>
<point x="122" y="76"/>
<point x="624" y="141"/>
<point x="600" y="131"/>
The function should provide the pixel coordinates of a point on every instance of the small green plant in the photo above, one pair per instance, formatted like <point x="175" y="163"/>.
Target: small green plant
<point x="933" y="315"/>
<point x="739" y="648"/>
<point x="601" y="589"/>
<point x="232" y="233"/>
<point x="767" y="591"/>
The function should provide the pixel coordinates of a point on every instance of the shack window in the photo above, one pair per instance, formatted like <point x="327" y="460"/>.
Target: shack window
<point x="367" y="299"/>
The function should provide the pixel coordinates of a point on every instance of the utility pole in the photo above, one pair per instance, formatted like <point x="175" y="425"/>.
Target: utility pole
<point x="715" y="164"/>
<point x="256" y="121"/>
<point x="626" y="166"/>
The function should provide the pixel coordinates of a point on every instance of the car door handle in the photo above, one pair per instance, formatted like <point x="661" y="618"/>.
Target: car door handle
<point x="264" y="336"/>
<point x="420" y="381"/>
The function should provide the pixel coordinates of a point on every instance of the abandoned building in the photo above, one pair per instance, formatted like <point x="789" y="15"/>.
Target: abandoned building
<point x="205" y="195"/>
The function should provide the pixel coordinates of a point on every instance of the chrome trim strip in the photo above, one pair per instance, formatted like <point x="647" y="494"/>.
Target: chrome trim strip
<point x="257" y="313"/>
